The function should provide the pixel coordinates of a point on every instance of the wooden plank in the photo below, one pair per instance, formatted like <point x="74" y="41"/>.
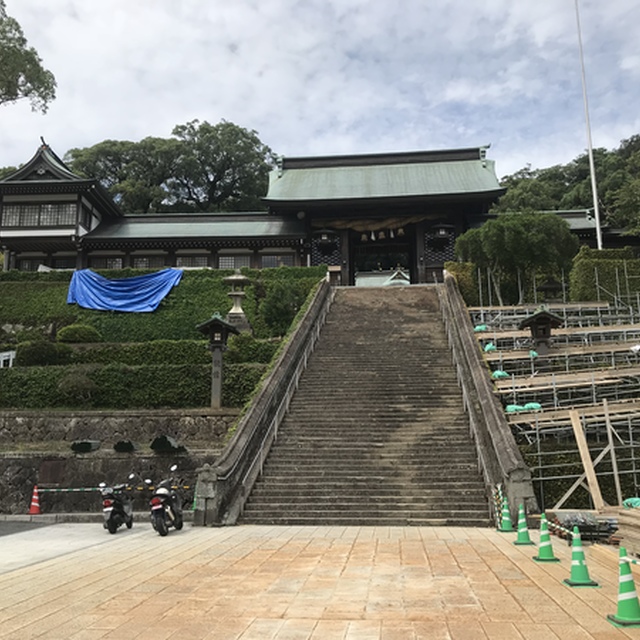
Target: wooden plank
<point x="551" y="418"/>
<point x="560" y="351"/>
<point x="587" y="463"/>
<point x="579" y="481"/>
<point x="564" y="380"/>
<point x="614" y="459"/>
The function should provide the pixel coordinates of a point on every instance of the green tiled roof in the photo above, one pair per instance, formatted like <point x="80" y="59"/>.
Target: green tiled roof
<point x="393" y="179"/>
<point x="242" y="225"/>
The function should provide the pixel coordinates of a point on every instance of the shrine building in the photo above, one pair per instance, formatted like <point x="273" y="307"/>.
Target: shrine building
<point x="358" y="214"/>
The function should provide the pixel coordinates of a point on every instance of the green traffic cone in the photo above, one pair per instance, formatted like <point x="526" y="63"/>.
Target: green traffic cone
<point x="628" y="614"/>
<point x="506" y="525"/>
<point x="523" y="532"/>
<point x="545" y="549"/>
<point x="579" y="572"/>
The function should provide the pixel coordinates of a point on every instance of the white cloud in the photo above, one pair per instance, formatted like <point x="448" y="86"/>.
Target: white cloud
<point x="335" y="76"/>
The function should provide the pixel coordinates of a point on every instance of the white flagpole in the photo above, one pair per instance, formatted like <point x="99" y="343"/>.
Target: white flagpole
<point x="592" y="168"/>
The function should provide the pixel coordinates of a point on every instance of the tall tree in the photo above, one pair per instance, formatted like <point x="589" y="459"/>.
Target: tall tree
<point x="221" y="167"/>
<point x="516" y="247"/>
<point x="203" y="167"/>
<point x="135" y="173"/>
<point x="21" y="72"/>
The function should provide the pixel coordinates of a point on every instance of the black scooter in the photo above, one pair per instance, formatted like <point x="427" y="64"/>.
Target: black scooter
<point x="117" y="506"/>
<point x="166" y="505"/>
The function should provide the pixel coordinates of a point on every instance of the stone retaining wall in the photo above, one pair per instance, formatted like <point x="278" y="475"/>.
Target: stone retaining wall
<point x="34" y="452"/>
<point x="199" y="425"/>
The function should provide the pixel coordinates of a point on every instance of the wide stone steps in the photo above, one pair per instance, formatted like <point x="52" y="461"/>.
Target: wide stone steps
<point x="376" y="433"/>
<point x="457" y="517"/>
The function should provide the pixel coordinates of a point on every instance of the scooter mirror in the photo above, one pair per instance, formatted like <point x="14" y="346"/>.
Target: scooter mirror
<point x="132" y="476"/>
<point x="148" y="481"/>
<point x="173" y="467"/>
<point x="102" y="485"/>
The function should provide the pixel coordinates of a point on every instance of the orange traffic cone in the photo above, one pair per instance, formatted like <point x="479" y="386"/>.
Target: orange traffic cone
<point x="34" y="509"/>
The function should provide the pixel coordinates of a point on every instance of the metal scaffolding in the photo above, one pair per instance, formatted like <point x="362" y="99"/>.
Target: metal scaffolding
<point x="574" y="411"/>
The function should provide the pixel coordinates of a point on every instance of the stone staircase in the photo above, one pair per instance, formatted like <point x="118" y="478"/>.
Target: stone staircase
<point x="376" y="433"/>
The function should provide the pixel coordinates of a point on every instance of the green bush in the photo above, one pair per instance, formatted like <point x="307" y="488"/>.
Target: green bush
<point x="465" y="274"/>
<point x="77" y="388"/>
<point x="79" y="333"/>
<point x="246" y="348"/>
<point x="120" y="386"/>
<point x="41" y="353"/>
<point x="165" y="362"/>
<point x="601" y="276"/>
<point x="139" y="353"/>
<point x="40" y="300"/>
<point x="35" y="303"/>
<point x="282" y="302"/>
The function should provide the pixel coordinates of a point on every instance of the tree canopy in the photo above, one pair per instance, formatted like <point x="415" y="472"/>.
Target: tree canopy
<point x="568" y="186"/>
<point x="202" y="167"/>
<point x="21" y="72"/>
<point x="516" y="248"/>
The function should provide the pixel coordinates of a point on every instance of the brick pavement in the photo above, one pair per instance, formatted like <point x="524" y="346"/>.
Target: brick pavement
<point x="308" y="583"/>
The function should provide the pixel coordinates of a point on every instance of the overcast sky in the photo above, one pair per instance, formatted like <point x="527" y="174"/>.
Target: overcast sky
<point x="323" y="77"/>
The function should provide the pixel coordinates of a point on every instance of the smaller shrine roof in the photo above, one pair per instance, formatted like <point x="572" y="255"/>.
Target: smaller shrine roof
<point x="221" y="225"/>
<point x="540" y="315"/>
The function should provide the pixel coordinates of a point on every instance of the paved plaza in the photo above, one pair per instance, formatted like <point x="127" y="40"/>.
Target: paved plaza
<point x="77" y="582"/>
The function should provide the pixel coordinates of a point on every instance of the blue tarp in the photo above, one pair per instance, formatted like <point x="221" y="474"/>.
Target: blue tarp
<point x="138" y="294"/>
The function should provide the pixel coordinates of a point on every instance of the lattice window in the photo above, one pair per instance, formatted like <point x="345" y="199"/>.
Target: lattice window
<point x="319" y="255"/>
<point x="29" y="215"/>
<point x="29" y="264"/>
<point x="439" y="249"/>
<point x="99" y="262"/>
<point x="148" y="262"/>
<point x="198" y="262"/>
<point x="234" y="262"/>
<point x="11" y="215"/>
<point x="284" y="260"/>
<point x="39" y="215"/>
<point x="66" y="214"/>
<point x="64" y="263"/>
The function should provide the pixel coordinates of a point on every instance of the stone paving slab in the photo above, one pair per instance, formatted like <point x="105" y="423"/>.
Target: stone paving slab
<point x="77" y="582"/>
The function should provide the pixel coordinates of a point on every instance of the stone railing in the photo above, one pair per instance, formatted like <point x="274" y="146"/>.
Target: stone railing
<point x="222" y="489"/>
<point x="499" y="458"/>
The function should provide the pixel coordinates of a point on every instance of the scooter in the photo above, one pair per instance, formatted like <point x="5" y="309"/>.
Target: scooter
<point x="166" y="505"/>
<point x="117" y="506"/>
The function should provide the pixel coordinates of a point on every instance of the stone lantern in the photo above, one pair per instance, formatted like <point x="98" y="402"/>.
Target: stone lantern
<point x="541" y="322"/>
<point x="236" y="315"/>
<point x="218" y="332"/>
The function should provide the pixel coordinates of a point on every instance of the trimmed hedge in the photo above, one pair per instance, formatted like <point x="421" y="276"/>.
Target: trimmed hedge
<point x="120" y="386"/>
<point x="246" y="348"/>
<point x="78" y="333"/>
<point x="145" y="353"/>
<point x="41" y="353"/>
<point x="242" y="348"/>
<point x="607" y="268"/>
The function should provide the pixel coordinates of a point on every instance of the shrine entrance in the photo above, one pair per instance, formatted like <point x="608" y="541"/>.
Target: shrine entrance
<point x="376" y="258"/>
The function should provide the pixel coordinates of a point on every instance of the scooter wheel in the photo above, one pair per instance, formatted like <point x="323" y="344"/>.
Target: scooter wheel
<point x="112" y="525"/>
<point x="161" y="524"/>
<point x="179" y="522"/>
<point x="129" y="523"/>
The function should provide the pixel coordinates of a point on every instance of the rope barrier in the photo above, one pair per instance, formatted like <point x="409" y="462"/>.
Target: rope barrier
<point x="553" y="525"/>
<point x="85" y="489"/>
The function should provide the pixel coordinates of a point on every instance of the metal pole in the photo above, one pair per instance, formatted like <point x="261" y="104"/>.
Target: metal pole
<point x="592" y="170"/>
<point x="480" y="295"/>
<point x="633" y="457"/>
